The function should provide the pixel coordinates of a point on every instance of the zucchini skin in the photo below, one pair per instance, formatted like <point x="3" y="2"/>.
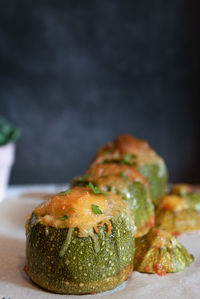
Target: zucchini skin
<point x="193" y="201"/>
<point x="142" y="210"/>
<point x="81" y="270"/>
<point x="156" y="175"/>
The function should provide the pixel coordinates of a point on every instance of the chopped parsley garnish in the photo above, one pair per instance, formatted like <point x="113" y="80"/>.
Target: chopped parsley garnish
<point x="123" y="176"/>
<point x="126" y="159"/>
<point x="83" y="178"/>
<point x="63" y="218"/>
<point x="96" y="210"/>
<point x="64" y="192"/>
<point x="106" y="152"/>
<point x="133" y="164"/>
<point x="95" y="189"/>
<point x="71" y="209"/>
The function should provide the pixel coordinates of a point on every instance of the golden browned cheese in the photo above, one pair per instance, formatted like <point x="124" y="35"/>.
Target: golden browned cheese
<point x="124" y="179"/>
<point x="113" y="169"/>
<point x="127" y="144"/>
<point x="76" y="206"/>
<point x="173" y="203"/>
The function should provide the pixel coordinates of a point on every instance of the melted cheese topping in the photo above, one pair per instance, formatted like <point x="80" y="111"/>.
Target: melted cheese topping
<point x="77" y="205"/>
<point x="112" y="180"/>
<point x="173" y="203"/>
<point x="112" y="169"/>
<point x="127" y="144"/>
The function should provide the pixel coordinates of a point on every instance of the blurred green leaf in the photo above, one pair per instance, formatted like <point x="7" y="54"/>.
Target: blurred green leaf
<point x="8" y="133"/>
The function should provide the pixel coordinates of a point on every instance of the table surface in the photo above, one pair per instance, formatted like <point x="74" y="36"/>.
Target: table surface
<point x="14" y="284"/>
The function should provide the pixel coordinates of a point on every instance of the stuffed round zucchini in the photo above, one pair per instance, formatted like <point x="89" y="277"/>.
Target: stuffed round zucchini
<point x="186" y="191"/>
<point x="159" y="252"/>
<point x="80" y="242"/>
<point x="135" y="152"/>
<point x="130" y="184"/>
<point x="175" y="215"/>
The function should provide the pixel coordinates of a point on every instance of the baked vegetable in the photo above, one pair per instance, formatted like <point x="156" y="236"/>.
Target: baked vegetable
<point x="130" y="184"/>
<point x="159" y="252"/>
<point x="175" y="215"/>
<point x="79" y="242"/>
<point x="137" y="153"/>
<point x="186" y="191"/>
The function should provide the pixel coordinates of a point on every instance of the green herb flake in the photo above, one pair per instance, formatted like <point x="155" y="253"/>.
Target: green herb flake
<point x="83" y="178"/>
<point x="64" y="192"/>
<point x="71" y="209"/>
<point x="133" y="164"/>
<point x="95" y="189"/>
<point x="126" y="159"/>
<point x="63" y="218"/>
<point x="106" y="153"/>
<point x="123" y="176"/>
<point x="96" y="210"/>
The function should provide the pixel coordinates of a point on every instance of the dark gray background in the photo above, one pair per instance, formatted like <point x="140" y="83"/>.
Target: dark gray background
<point x="75" y="74"/>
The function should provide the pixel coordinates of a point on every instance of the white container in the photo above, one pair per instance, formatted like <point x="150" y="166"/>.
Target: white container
<point x="7" y="156"/>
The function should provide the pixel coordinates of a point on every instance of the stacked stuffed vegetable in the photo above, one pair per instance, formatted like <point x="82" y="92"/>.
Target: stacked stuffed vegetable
<point x="82" y="240"/>
<point x="178" y="211"/>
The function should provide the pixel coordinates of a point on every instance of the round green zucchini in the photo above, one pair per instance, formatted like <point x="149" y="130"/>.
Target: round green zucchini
<point x="186" y="191"/>
<point x="61" y="261"/>
<point x="193" y="200"/>
<point x="177" y="222"/>
<point x="137" y="153"/>
<point x="175" y="215"/>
